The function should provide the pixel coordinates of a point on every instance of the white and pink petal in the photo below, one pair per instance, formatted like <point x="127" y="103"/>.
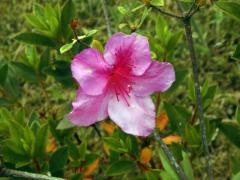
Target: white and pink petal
<point x="136" y="116"/>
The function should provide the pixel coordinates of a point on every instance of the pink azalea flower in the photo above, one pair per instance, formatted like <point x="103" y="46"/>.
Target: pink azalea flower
<point x="118" y="84"/>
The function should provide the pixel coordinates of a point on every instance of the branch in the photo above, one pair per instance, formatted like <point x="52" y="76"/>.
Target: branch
<point x="4" y="172"/>
<point x="106" y="17"/>
<point x="170" y="157"/>
<point x="188" y="34"/>
<point x="165" y="12"/>
<point x="188" y="31"/>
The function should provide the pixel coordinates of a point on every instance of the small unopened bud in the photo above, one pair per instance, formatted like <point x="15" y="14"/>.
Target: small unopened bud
<point x="74" y="23"/>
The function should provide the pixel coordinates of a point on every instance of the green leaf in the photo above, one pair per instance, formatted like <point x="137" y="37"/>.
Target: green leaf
<point x="73" y="151"/>
<point x="177" y="120"/>
<point x="10" y="155"/>
<point x="231" y="8"/>
<point x="231" y="131"/>
<point x="120" y="167"/>
<point x="132" y="145"/>
<point x="58" y="160"/>
<point x="65" y="124"/>
<point x="151" y="175"/>
<point x="91" y="33"/>
<point x="167" y="166"/>
<point x="97" y="45"/>
<point x="82" y="150"/>
<point x="24" y="71"/>
<point x="144" y="16"/>
<point x="3" y="74"/>
<point x="236" y="176"/>
<point x="115" y="144"/>
<point x="5" y="102"/>
<point x="122" y="10"/>
<point x="61" y="72"/>
<point x="236" y="54"/>
<point x="36" y="21"/>
<point x="237" y="116"/>
<point x="162" y="30"/>
<point x="44" y="63"/>
<point x="157" y="2"/>
<point x="41" y="142"/>
<point x="187" y="166"/>
<point x="12" y="86"/>
<point x="67" y="47"/>
<point x="68" y="13"/>
<point x="174" y="40"/>
<point x="90" y="158"/>
<point x="36" y="39"/>
<point x="192" y="137"/>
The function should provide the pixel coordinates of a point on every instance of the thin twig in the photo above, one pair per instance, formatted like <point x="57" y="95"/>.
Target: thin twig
<point x="4" y="172"/>
<point x="170" y="157"/>
<point x="188" y="33"/>
<point x="106" y="17"/>
<point x="166" y="13"/>
<point x="191" y="8"/>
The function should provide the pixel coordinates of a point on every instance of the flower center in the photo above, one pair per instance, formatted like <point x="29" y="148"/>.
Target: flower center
<point x="120" y="81"/>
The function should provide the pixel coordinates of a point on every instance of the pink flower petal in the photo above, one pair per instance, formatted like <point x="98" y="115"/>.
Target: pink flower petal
<point x="136" y="118"/>
<point x="88" y="68"/>
<point x="158" y="77"/>
<point x="129" y="49"/>
<point x="88" y="109"/>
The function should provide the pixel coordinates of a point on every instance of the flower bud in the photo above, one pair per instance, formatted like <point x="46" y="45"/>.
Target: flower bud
<point x="74" y="23"/>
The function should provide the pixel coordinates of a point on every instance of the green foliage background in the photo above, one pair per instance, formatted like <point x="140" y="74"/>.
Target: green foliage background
<point x="36" y="90"/>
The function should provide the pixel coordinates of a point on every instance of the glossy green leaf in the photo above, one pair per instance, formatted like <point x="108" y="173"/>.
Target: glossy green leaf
<point x="237" y="115"/>
<point x="3" y="74"/>
<point x="231" y="131"/>
<point x="231" y="8"/>
<point x="25" y="72"/>
<point x="58" y="159"/>
<point x="36" y="39"/>
<point x="44" y="63"/>
<point x="157" y="2"/>
<point x="192" y="137"/>
<point x="167" y="166"/>
<point x="122" y="10"/>
<point x="115" y="144"/>
<point x="82" y="150"/>
<point x="67" y="47"/>
<point x="187" y="167"/>
<point x="120" y="167"/>
<point x="65" y="124"/>
<point x="236" y="54"/>
<point x="41" y="142"/>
